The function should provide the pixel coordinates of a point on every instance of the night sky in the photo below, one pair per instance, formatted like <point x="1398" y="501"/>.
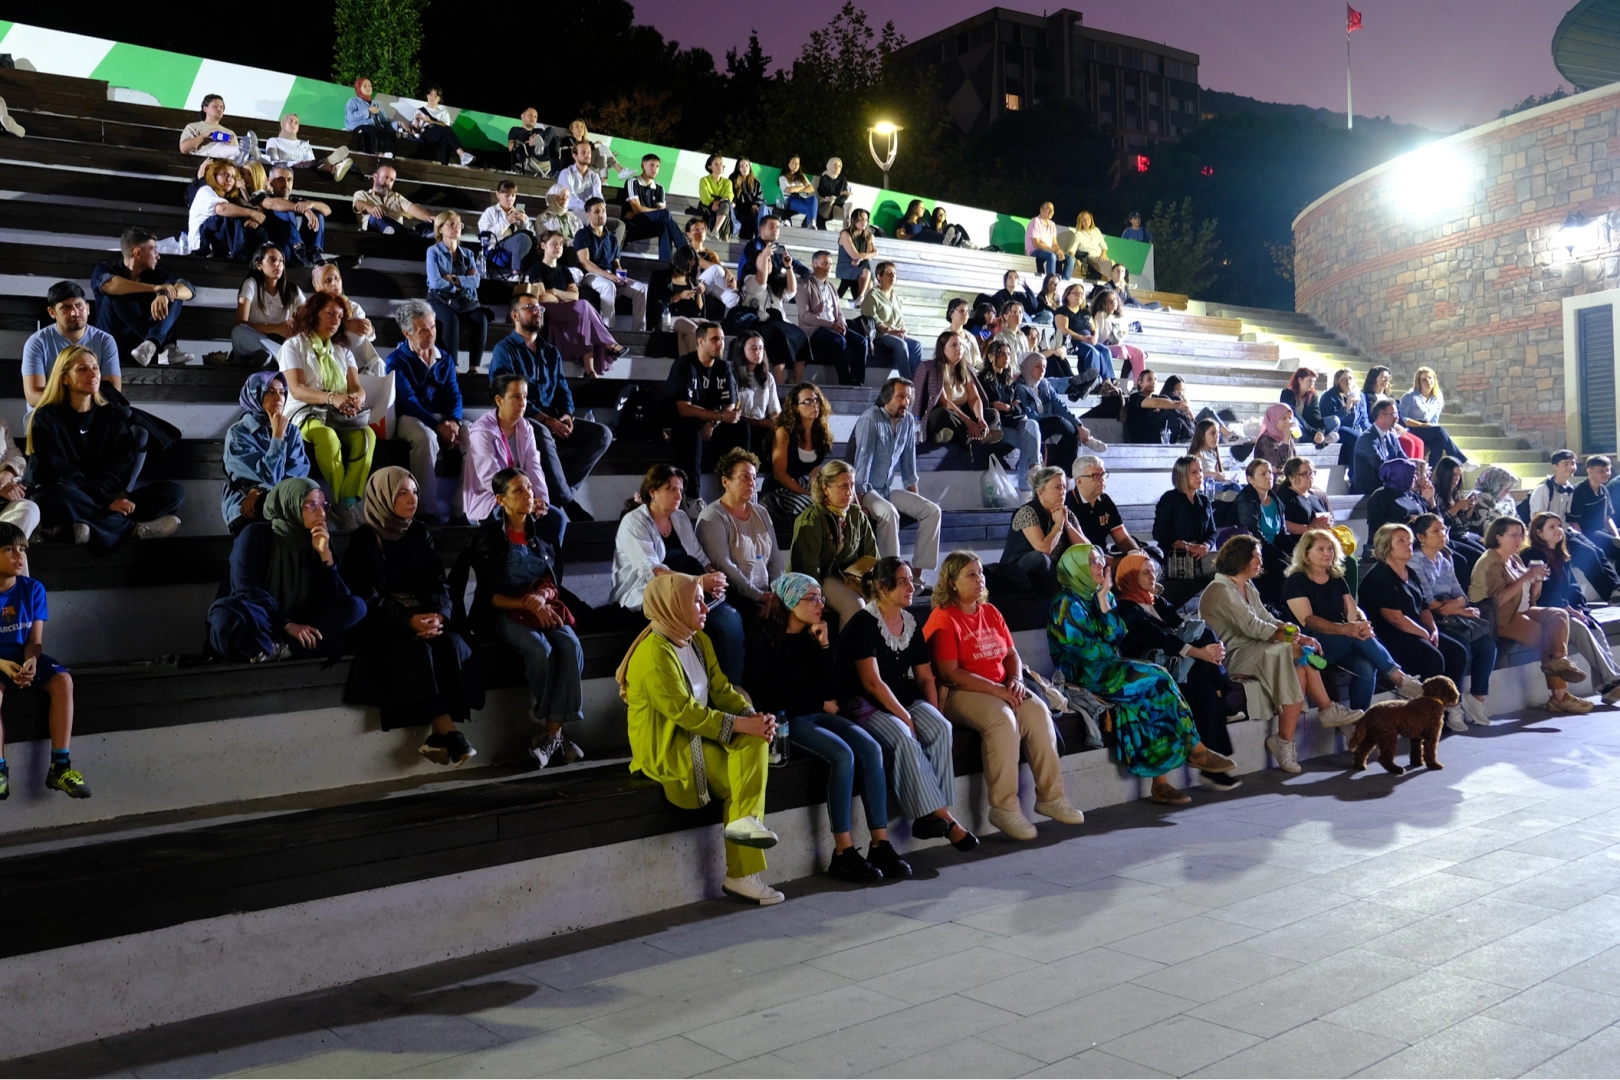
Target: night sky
<point x="1441" y="64"/>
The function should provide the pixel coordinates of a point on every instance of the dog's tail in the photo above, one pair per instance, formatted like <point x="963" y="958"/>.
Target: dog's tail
<point x="1358" y="733"/>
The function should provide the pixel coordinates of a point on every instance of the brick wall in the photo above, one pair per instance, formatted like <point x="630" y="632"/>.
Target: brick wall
<point x="1473" y="291"/>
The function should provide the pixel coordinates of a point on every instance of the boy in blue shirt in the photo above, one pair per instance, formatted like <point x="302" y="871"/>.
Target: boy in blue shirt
<point x="25" y="667"/>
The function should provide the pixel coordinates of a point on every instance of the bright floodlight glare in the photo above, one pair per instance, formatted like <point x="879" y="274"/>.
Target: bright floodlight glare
<point x="1430" y="181"/>
<point x="883" y="127"/>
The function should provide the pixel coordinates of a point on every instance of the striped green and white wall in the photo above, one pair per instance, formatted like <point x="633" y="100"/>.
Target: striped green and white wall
<point x="179" y="81"/>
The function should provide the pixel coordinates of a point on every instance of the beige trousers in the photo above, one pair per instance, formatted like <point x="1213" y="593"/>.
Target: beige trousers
<point x="1000" y="733"/>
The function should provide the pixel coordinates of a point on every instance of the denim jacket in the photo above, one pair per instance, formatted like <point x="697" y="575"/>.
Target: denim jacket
<point x="254" y="460"/>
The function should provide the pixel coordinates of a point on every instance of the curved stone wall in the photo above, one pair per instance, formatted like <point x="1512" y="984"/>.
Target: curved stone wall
<point x="1453" y="257"/>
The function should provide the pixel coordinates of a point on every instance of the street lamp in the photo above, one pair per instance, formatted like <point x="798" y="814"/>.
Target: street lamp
<point x="884" y="161"/>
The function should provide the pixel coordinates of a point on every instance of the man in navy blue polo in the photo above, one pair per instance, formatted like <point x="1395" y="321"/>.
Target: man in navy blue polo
<point x="597" y="249"/>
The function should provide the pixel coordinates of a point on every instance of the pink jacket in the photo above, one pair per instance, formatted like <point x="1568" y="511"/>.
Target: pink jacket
<point x="488" y="452"/>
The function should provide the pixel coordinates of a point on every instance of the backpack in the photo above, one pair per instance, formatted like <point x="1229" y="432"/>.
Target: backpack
<point x="1523" y="506"/>
<point x="639" y="411"/>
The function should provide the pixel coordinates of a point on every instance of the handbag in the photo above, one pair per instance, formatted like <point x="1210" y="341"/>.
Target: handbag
<point x="335" y="419"/>
<point x="1181" y="566"/>
<point x="549" y="598"/>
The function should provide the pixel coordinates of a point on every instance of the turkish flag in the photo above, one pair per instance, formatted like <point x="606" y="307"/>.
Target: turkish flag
<point x="1352" y="19"/>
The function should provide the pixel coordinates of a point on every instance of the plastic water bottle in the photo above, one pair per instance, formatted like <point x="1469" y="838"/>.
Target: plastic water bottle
<point x="779" y="745"/>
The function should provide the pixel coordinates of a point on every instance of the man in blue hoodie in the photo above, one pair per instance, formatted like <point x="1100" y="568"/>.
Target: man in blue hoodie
<point x="427" y="398"/>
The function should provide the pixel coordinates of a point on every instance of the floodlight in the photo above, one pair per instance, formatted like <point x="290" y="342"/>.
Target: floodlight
<point x="1431" y="181"/>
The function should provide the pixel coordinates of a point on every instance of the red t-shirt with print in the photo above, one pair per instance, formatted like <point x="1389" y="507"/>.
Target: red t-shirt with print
<point x="978" y="642"/>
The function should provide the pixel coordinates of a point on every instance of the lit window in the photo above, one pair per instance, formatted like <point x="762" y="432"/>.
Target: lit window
<point x="1012" y="103"/>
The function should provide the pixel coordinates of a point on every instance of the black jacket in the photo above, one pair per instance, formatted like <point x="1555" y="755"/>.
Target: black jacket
<point x="1177" y="518"/>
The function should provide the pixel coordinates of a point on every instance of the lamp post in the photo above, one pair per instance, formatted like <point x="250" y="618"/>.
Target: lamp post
<point x="884" y="161"/>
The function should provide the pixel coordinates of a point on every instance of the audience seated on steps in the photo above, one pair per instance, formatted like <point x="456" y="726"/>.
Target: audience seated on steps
<point x="556" y="217"/>
<point x="1041" y="244"/>
<point x="1421" y="408"/>
<point x="1135" y="230"/>
<point x="583" y="183"/>
<point x="702" y="388"/>
<point x="569" y="445"/>
<point x="1556" y="494"/>
<point x="503" y="439"/>
<point x="1072" y="326"/>
<point x="885" y="442"/>
<point x="1259" y="644"/>
<point x="1587" y="637"/>
<point x="1307" y="507"/>
<point x="748" y="199"/>
<point x="382" y="209"/>
<point x="138" y="304"/>
<point x="69" y="325"/>
<point x="1154" y="729"/>
<point x="1098" y="517"/>
<point x="262" y="449"/>
<point x="1378" y="445"/>
<point x="431" y="127"/>
<point x="266" y="305"/>
<point x="1040" y="532"/>
<point x="766" y="289"/>
<point x="1119" y="280"/>
<point x="86" y="448"/>
<point x="1112" y="330"/>
<point x="296" y="225"/>
<point x="918" y="225"/>
<point x="329" y="404"/>
<point x="223" y="223"/>
<point x="798" y="194"/>
<point x="832" y="342"/>
<point x="791" y="675"/>
<point x="15" y="505"/>
<point x="358" y="334"/>
<point x="207" y="137"/>
<point x="1157" y="633"/>
<point x="1377" y="385"/>
<point x="1221" y="481"/>
<point x="427" y="401"/>
<point x="1591" y="515"/>
<point x="756" y="386"/>
<point x="857" y="247"/>
<point x="1301" y="396"/>
<point x="1005" y="408"/>
<point x="656" y="539"/>
<point x="893" y="347"/>
<point x="408" y="664"/>
<point x="1502" y="576"/>
<point x="507" y="235"/>
<point x="1260" y="514"/>
<point x="1043" y="305"/>
<point x="832" y="193"/>
<point x="1343" y="402"/>
<point x="26" y="671"/>
<point x="1446" y="598"/>
<point x="373" y="134"/>
<point x="975" y="659"/>
<point x="885" y="679"/>
<point x="295" y="153"/>
<point x="574" y="326"/>
<point x="738" y="536"/>
<point x="1392" y="594"/>
<point x="646" y="212"/>
<point x="1467" y="515"/>
<point x="1184" y="529"/>
<point x="601" y="161"/>
<point x="1088" y="249"/>
<point x="957" y="313"/>
<point x="718" y="278"/>
<point x="833" y="539"/>
<point x="1153" y="417"/>
<point x="452" y="289"/>
<point x="526" y="143"/>
<point x="715" y="197"/>
<point x="801" y="439"/>
<point x="694" y="733"/>
<point x="597" y="248"/>
<point x="284" y="595"/>
<point x="948" y="401"/>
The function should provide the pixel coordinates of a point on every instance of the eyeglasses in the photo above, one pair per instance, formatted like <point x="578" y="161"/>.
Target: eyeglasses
<point x="812" y="403"/>
<point x="1094" y="475"/>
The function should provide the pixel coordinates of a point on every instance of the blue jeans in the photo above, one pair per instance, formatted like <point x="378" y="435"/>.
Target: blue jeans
<point x="1048" y="262"/>
<point x="725" y="630"/>
<point x="129" y="320"/>
<point x="904" y="354"/>
<point x="1026" y="435"/>
<point x="287" y="230"/>
<point x="846" y="353"/>
<point x="847" y="749"/>
<point x="657" y="223"/>
<point x="1364" y="660"/>
<point x="1093" y="357"/>
<point x="808" y="205"/>
<point x="553" y="663"/>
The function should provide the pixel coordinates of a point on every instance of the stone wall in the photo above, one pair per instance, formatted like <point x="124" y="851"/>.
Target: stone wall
<point x="1474" y="288"/>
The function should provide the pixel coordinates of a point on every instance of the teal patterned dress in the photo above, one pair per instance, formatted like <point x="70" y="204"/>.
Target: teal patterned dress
<point x="1153" y="727"/>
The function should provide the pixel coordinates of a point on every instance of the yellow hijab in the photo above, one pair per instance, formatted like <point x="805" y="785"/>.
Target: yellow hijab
<point x="669" y="603"/>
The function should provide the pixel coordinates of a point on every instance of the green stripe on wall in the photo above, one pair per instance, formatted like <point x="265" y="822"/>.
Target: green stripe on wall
<point x="166" y="76"/>
<point x="5" y="28"/>
<point x="318" y="104"/>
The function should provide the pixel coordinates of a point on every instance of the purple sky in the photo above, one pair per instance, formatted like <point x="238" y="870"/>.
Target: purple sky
<point x="1442" y="64"/>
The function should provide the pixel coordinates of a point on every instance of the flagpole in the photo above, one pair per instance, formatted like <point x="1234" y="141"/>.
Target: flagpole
<point x="1349" y="113"/>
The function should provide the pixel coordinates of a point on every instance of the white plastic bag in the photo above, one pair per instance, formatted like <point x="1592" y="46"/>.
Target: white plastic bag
<point x="1000" y="490"/>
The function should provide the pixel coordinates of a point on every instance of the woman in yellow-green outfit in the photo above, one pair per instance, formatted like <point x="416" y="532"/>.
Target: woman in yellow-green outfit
<point x="329" y="406"/>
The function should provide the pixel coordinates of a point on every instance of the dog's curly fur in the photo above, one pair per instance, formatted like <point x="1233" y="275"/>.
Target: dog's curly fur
<point x="1420" y="720"/>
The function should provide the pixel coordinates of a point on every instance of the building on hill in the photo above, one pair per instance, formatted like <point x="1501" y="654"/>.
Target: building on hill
<point x="1002" y="61"/>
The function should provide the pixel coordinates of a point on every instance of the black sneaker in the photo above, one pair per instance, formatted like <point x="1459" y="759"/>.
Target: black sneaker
<point x="576" y="512"/>
<point x="848" y="865"/>
<point x="1219" y="781"/>
<point x="887" y="861"/>
<point x="67" y="780"/>
<point x="436" y="747"/>
<point x="930" y="828"/>
<point x="459" y="749"/>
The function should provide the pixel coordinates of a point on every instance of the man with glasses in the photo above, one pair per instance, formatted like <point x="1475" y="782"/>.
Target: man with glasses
<point x="886" y="451"/>
<point x="1098" y="516"/>
<point x="569" y="446"/>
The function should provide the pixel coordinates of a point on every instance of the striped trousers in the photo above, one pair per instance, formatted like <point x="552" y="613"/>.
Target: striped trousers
<point x="923" y="777"/>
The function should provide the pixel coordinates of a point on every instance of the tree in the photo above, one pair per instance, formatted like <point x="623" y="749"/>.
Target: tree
<point x="1183" y="249"/>
<point x="378" y="39"/>
<point x="1534" y="100"/>
<point x="644" y="115"/>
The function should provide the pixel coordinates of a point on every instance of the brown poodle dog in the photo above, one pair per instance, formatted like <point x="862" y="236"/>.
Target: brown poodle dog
<point x="1419" y="720"/>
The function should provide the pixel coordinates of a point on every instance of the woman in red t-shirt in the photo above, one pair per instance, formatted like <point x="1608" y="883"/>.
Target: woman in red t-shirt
<point x="974" y="656"/>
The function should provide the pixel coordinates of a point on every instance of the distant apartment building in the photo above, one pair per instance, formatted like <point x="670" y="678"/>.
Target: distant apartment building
<point x="1002" y="61"/>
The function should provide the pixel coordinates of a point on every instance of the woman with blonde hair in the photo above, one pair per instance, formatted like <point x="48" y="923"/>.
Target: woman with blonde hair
<point x="833" y="538"/>
<point x="1089" y="247"/>
<point x="85" y="452"/>
<point x="1420" y="409"/>
<point x="453" y="278"/>
<point x="974" y="656"/>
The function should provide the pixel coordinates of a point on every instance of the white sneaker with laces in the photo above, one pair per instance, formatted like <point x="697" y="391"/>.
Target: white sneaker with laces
<point x="1013" y="824"/>
<point x="1096" y="445"/>
<point x="174" y="357"/>
<point x="1474" y="711"/>
<point x="1061" y="810"/>
<point x="1454" y="719"/>
<point x="1337" y="716"/>
<point x="750" y="832"/>
<point x="143" y="353"/>
<point x="158" y="528"/>
<point x="1283" y="751"/>
<point x="466" y="158"/>
<point x="753" y="890"/>
<point x="1411" y="686"/>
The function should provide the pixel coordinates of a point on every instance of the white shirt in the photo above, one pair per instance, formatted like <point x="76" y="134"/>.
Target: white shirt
<point x="295" y="355"/>
<point x="288" y="151"/>
<point x="495" y="222"/>
<point x="267" y="307"/>
<point x="581" y="186"/>
<point x="202" y="208"/>
<point x="758" y="402"/>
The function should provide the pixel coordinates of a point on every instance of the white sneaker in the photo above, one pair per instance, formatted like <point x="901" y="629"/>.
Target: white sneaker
<point x="466" y="158"/>
<point x="81" y="533"/>
<point x="1411" y="686"/>
<point x="143" y="353"/>
<point x="1454" y="719"/>
<point x="340" y="154"/>
<point x="1096" y="445"/>
<point x="1337" y="716"/>
<point x="1283" y="751"/>
<point x="1474" y="711"/>
<point x="750" y="832"/>
<point x="389" y="154"/>
<point x="175" y="358"/>
<point x="341" y="169"/>
<point x="10" y="124"/>
<point x="1330" y="438"/>
<point x="1236" y="717"/>
<point x="158" y="528"/>
<point x="1012" y="823"/>
<point x="1061" y="810"/>
<point x="752" y="890"/>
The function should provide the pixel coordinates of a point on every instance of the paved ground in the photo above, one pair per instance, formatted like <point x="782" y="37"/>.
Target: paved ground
<point x="1465" y="923"/>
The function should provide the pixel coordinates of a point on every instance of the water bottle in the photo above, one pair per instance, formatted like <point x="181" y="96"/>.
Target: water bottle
<point x="779" y="745"/>
<point x="668" y="320"/>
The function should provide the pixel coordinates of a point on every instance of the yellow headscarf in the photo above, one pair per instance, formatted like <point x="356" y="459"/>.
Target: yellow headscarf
<point x="669" y="603"/>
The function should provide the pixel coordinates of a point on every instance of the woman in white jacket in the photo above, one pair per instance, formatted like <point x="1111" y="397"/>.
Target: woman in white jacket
<point x="656" y="538"/>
